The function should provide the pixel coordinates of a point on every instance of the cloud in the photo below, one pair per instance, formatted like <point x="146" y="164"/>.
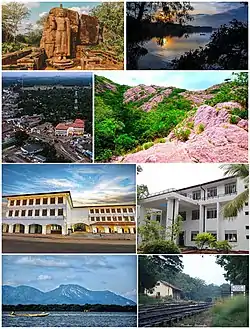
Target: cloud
<point x="131" y="294"/>
<point x="41" y="262"/>
<point x="64" y="183"/>
<point x="81" y="10"/>
<point x="42" y="277"/>
<point x="44" y="13"/>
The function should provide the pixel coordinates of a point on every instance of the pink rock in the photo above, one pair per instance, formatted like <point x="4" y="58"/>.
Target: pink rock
<point x="209" y="116"/>
<point x="243" y="124"/>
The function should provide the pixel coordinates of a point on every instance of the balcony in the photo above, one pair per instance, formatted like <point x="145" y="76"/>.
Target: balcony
<point x="32" y="218"/>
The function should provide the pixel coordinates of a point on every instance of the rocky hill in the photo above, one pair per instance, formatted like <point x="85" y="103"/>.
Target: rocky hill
<point x="180" y="126"/>
<point x="64" y="294"/>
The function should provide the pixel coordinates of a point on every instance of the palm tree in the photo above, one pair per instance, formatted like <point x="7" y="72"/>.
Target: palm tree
<point x="241" y="171"/>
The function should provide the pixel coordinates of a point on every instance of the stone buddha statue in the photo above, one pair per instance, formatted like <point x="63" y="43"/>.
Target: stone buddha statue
<point x="62" y="35"/>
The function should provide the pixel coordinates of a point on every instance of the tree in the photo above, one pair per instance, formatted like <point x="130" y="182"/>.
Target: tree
<point x="171" y="11"/>
<point x="203" y="239"/>
<point x="151" y="269"/>
<point x="13" y="13"/>
<point x="241" y="171"/>
<point x="151" y="231"/>
<point x="142" y="191"/>
<point x="236" y="268"/>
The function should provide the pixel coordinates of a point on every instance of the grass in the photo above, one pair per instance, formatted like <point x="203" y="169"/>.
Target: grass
<point x="231" y="312"/>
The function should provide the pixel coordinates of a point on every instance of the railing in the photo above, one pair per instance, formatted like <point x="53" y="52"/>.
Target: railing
<point x="165" y="314"/>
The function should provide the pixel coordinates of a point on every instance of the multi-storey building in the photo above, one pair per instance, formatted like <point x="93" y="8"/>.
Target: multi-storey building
<point x="75" y="128"/>
<point x="201" y="209"/>
<point x="54" y="212"/>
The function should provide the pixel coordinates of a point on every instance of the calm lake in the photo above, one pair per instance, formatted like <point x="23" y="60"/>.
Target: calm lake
<point x="162" y="50"/>
<point x="73" y="319"/>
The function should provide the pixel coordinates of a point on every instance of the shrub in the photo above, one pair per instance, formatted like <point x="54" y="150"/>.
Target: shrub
<point x="222" y="246"/>
<point x="146" y="146"/>
<point x="190" y="124"/>
<point x="182" y="134"/>
<point x="200" y="128"/>
<point x="160" y="140"/>
<point x="243" y="114"/>
<point x="204" y="239"/>
<point x="160" y="247"/>
<point x="234" y="119"/>
<point x="231" y="312"/>
<point x="151" y="231"/>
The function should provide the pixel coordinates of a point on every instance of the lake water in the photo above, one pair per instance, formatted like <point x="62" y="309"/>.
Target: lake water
<point x="161" y="51"/>
<point x="73" y="319"/>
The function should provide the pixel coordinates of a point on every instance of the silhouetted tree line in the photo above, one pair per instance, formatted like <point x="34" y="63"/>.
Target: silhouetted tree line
<point x="69" y="308"/>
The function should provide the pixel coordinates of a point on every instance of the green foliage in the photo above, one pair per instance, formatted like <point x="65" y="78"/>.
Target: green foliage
<point x="142" y="191"/>
<point x="234" y="119"/>
<point x="236" y="268"/>
<point x="147" y="145"/>
<point x="235" y="90"/>
<point x="190" y="124"/>
<point x="160" y="247"/>
<point x="222" y="246"/>
<point x="182" y="133"/>
<point x="111" y="18"/>
<point x="151" y="231"/>
<point x="231" y="312"/>
<point x="20" y="137"/>
<point x="9" y="47"/>
<point x="204" y="239"/>
<point x="114" y="118"/>
<point x="159" y="140"/>
<point x="200" y="128"/>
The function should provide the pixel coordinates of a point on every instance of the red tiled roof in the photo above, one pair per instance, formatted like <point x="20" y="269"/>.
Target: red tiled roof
<point x="62" y="126"/>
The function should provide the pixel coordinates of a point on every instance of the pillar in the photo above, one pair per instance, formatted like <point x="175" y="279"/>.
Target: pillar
<point x="44" y="229"/>
<point x="26" y="229"/>
<point x="142" y="215"/>
<point x="218" y="220"/>
<point x="201" y="219"/>
<point x="64" y="230"/>
<point x="10" y="228"/>
<point x="169" y="215"/>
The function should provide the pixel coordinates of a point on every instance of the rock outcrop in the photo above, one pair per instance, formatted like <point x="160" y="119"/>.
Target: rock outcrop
<point x="220" y="141"/>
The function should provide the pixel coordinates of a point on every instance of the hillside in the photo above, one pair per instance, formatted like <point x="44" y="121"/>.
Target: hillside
<point x="64" y="294"/>
<point x="167" y="124"/>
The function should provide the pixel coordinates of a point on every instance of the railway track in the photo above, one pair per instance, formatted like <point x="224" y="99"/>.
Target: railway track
<point x="166" y="314"/>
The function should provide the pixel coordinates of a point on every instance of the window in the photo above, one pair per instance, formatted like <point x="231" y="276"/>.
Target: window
<point x="158" y="218"/>
<point x="45" y="200"/>
<point x="130" y="210"/>
<point x="113" y="210"/>
<point x="126" y="219"/>
<point x="97" y="211"/>
<point x="16" y="213"/>
<point x="52" y="212"/>
<point x="230" y="188"/>
<point x="211" y="213"/>
<point x="97" y="219"/>
<point x="31" y="202"/>
<point x="132" y="218"/>
<point x="37" y="212"/>
<point x="247" y="237"/>
<point x="231" y="236"/>
<point x="44" y="212"/>
<point x="92" y="219"/>
<point x="60" y="212"/>
<point x="119" y="210"/>
<point x="103" y="219"/>
<point x="24" y="202"/>
<point x="119" y="217"/>
<point x="102" y="211"/>
<point x="91" y="211"/>
<point x="37" y="201"/>
<point x="30" y="212"/>
<point x="114" y="218"/>
<point x="52" y="200"/>
<point x="246" y="203"/>
<point x="23" y="213"/>
<point x="124" y="209"/>
<point x="183" y="214"/>
<point x="246" y="213"/>
<point x="193" y="235"/>
<point x="247" y="227"/>
<point x="246" y="187"/>
<point x="212" y="192"/>
<point x="10" y="213"/>
<point x="195" y="214"/>
<point x="109" y="218"/>
<point x="184" y="194"/>
<point x="18" y="202"/>
<point x="197" y="195"/>
<point x="12" y="202"/>
<point x="108" y="211"/>
<point x="60" y="199"/>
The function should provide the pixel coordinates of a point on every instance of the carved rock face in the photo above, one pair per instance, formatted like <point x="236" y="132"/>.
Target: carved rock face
<point x="65" y="29"/>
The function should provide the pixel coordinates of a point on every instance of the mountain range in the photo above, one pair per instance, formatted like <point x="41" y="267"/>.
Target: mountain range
<point x="216" y="20"/>
<point x="64" y="294"/>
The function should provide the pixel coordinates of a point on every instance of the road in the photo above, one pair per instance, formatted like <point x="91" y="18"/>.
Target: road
<point x="33" y="245"/>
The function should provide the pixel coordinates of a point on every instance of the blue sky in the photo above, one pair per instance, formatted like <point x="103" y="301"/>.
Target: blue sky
<point x="89" y="184"/>
<point x="94" y="272"/>
<point x="187" y="79"/>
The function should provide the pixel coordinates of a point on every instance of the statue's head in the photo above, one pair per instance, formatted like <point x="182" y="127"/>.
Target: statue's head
<point x="61" y="13"/>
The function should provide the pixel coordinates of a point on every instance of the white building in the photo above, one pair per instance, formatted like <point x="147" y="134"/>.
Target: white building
<point x="75" y="128"/>
<point x="201" y="209"/>
<point x="54" y="212"/>
<point x="164" y="289"/>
